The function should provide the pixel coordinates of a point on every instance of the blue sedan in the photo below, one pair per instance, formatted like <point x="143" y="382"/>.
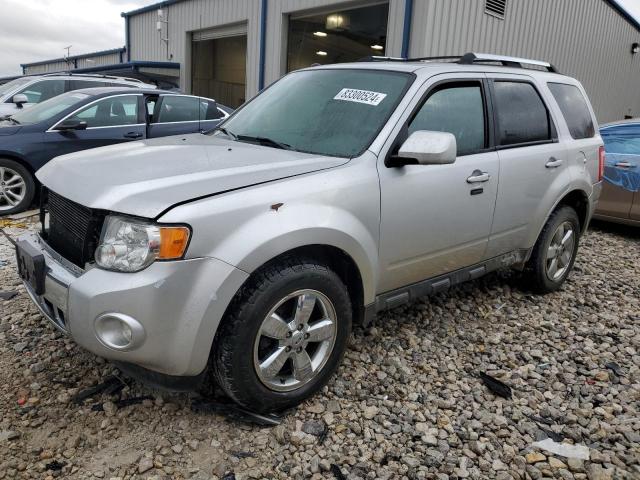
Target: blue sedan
<point x="91" y="118"/>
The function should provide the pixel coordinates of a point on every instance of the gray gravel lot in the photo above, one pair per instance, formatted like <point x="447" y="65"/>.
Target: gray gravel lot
<point x="407" y="402"/>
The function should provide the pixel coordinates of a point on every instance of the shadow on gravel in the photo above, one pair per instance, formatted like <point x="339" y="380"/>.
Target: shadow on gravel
<point x="626" y="231"/>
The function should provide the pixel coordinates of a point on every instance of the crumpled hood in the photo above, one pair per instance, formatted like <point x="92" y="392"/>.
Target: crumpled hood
<point x="145" y="178"/>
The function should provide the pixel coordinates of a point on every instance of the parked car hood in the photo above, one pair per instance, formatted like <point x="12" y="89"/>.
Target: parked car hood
<point x="7" y="128"/>
<point x="145" y="178"/>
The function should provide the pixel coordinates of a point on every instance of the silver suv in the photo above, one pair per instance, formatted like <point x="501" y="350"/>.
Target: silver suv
<point x="245" y="255"/>
<point x="26" y="91"/>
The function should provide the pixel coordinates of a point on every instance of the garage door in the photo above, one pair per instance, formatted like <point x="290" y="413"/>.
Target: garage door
<point x="219" y="64"/>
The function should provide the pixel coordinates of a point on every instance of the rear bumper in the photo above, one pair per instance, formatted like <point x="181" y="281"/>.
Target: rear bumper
<point x="593" y="202"/>
<point x="178" y="305"/>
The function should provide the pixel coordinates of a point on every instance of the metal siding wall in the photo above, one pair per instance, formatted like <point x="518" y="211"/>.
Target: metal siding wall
<point x="186" y="17"/>
<point x="277" y="28"/>
<point x="586" y="39"/>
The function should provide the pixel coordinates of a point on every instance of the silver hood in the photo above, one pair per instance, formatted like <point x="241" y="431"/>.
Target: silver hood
<point x="147" y="177"/>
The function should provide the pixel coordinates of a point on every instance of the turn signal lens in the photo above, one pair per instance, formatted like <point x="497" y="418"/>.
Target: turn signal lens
<point x="173" y="242"/>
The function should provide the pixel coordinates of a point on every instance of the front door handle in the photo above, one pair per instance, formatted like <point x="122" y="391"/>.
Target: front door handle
<point x="624" y="165"/>
<point x="478" y="177"/>
<point x="553" y="163"/>
<point x="133" y="135"/>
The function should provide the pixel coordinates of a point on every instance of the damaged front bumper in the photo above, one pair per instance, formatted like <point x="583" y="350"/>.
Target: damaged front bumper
<point x="175" y="308"/>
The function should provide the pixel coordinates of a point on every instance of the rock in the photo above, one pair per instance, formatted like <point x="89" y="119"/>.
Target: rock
<point x="109" y="408"/>
<point x="601" y="376"/>
<point x="145" y="465"/>
<point x="313" y="427"/>
<point x="370" y="412"/>
<point x="597" y="472"/>
<point x="534" y="457"/>
<point x="410" y="461"/>
<point x="8" y="435"/>
<point x="316" y="408"/>
<point x="555" y="463"/>
<point x="575" y="464"/>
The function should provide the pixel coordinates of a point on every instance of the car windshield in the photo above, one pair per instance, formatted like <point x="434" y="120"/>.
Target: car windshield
<point x="328" y="112"/>
<point x="9" y="86"/>
<point x="49" y="108"/>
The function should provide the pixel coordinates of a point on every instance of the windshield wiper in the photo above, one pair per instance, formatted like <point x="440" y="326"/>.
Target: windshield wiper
<point x="228" y="133"/>
<point x="9" y="118"/>
<point x="268" y="142"/>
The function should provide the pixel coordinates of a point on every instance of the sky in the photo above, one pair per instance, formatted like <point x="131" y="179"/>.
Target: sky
<point x="86" y="25"/>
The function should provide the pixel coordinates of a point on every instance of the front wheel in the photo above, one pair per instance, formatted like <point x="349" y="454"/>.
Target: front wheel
<point x="555" y="251"/>
<point x="284" y="335"/>
<point x="17" y="187"/>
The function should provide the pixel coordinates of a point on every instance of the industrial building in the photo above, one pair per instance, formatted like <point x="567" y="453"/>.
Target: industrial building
<point x="231" y="49"/>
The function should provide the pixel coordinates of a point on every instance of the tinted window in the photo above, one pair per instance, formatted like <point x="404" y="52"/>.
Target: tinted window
<point x="110" y="112"/>
<point x="623" y="139"/>
<point x="209" y="110"/>
<point x="458" y="110"/>
<point x="179" y="109"/>
<point x="574" y="109"/>
<point x="329" y="112"/>
<point x="78" y="84"/>
<point x="521" y="115"/>
<point x="44" y="90"/>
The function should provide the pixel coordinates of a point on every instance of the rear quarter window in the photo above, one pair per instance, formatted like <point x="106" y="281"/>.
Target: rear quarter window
<point x="574" y="109"/>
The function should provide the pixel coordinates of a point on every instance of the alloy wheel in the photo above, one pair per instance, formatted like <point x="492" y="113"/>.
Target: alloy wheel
<point x="560" y="251"/>
<point x="295" y="340"/>
<point x="13" y="188"/>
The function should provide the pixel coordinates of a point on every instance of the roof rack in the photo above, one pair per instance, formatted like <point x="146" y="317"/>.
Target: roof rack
<point x="96" y="75"/>
<point x="469" y="59"/>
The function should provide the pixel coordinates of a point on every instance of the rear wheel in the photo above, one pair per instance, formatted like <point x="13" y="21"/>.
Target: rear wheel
<point x="284" y="335"/>
<point x="555" y="251"/>
<point x="17" y="187"/>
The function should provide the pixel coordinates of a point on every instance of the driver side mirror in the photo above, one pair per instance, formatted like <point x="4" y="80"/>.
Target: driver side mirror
<point x="426" y="148"/>
<point x="71" y="124"/>
<point x="20" y="99"/>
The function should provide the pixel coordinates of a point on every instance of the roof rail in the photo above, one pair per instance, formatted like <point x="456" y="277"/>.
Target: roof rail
<point x="468" y="59"/>
<point x="471" y="58"/>
<point x="95" y="75"/>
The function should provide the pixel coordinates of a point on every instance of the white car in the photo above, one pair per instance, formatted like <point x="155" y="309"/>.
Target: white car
<point x="26" y="91"/>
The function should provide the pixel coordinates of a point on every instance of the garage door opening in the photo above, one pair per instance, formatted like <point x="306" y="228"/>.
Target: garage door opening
<point x="337" y="36"/>
<point x="219" y="68"/>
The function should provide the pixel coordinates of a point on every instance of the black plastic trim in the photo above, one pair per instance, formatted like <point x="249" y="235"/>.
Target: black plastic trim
<point x="172" y="383"/>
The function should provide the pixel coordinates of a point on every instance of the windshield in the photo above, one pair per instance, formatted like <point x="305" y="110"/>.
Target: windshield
<point x="328" y="112"/>
<point x="7" y="87"/>
<point x="49" y="108"/>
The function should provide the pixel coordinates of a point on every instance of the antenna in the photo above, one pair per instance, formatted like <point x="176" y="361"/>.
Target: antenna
<point x="66" y="59"/>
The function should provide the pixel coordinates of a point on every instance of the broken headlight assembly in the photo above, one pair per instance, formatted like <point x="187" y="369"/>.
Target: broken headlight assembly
<point x="130" y="245"/>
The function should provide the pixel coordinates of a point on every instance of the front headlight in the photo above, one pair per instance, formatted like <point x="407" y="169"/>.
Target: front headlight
<point x="130" y="245"/>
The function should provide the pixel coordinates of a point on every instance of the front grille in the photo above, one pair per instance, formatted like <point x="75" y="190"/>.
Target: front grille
<point x="74" y="230"/>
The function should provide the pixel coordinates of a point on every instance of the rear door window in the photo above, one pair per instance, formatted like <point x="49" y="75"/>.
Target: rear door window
<point x="521" y="115"/>
<point x="574" y="109"/>
<point x="457" y="108"/>
<point x="179" y="109"/>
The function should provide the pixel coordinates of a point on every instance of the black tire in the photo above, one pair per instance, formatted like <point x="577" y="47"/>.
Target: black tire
<point x="536" y="271"/>
<point x="232" y="357"/>
<point x="29" y="190"/>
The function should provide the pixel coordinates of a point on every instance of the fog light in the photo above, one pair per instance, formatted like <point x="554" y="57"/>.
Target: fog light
<point x="118" y="331"/>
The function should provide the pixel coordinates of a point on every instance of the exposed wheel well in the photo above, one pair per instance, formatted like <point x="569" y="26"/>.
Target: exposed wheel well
<point x="579" y="201"/>
<point x="342" y="264"/>
<point x="21" y="162"/>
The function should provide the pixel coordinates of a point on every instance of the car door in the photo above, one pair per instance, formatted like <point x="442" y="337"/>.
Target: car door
<point x="110" y="120"/>
<point x="437" y="218"/>
<point x="621" y="171"/>
<point x="534" y="169"/>
<point x="180" y="114"/>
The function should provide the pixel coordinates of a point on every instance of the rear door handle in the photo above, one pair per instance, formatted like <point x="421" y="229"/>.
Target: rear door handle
<point x="624" y="165"/>
<point x="478" y="177"/>
<point x="553" y="163"/>
<point x="132" y="135"/>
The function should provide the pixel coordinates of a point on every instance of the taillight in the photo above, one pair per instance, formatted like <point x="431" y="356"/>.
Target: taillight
<point x="600" y="163"/>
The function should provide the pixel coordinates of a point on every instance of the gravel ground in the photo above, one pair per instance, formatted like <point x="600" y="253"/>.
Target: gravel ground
<point x="407" y="402"/>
